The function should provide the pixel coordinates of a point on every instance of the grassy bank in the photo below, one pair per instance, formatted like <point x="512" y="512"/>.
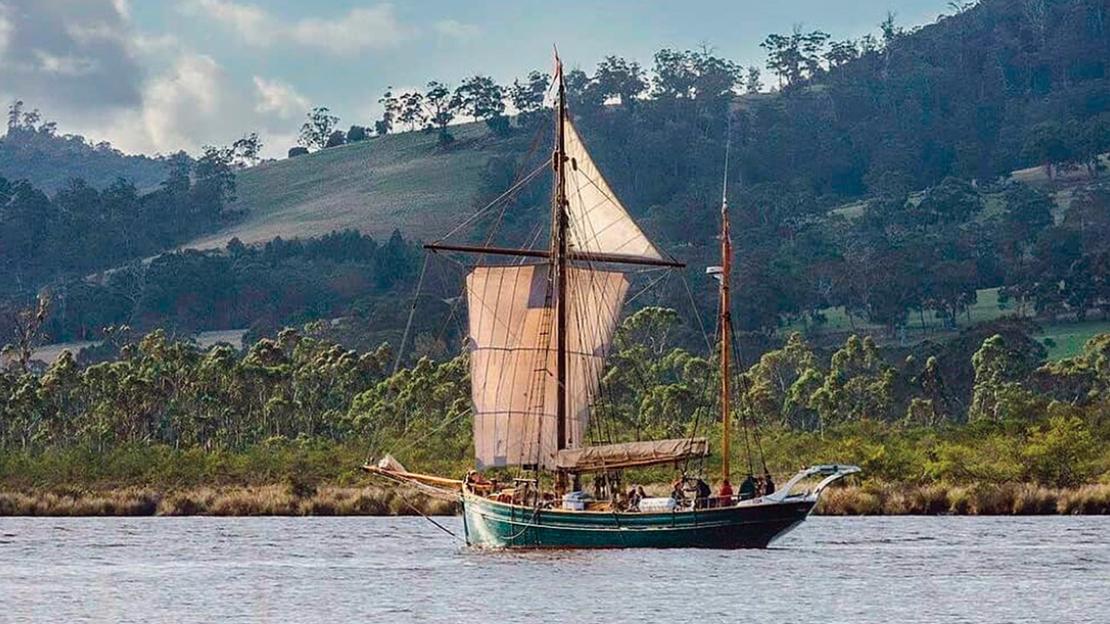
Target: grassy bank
<point x="266" y="500"/>
<point x="1016" y="499"/>
<point x="978" y="469"/>
<point x="288" y="500"/>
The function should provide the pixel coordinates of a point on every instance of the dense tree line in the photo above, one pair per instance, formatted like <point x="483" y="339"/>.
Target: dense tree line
<point x="917" y="127"/>
<point x="259" y="287"/>
<point x="1027" y="420"/>
<point x="82" y="229"/>
<point x="33" y="149"/>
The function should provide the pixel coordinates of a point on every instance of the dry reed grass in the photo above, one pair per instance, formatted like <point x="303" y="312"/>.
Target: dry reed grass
<point x="1021" y="499"/>
<point x="281" y="500"/>
<point x="267" y="500"/>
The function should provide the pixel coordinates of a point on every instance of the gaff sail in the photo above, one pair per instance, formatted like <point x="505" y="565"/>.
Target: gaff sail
<point x="512" y="358"/>
<point x="513" y="321"/>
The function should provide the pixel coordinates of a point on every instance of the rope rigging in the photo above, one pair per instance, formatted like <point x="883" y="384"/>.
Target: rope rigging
<point x="585" y="290"/>
<point x="747" y="420"/>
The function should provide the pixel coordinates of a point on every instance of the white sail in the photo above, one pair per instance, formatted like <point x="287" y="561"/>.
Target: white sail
<point x="512" y="358"/>
<point x="597" y="221"/>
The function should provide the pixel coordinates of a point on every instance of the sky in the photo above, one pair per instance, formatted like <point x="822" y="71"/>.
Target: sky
<point x="157" y="76"/>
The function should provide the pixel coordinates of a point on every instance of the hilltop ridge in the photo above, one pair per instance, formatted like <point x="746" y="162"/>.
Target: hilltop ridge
<point x="400" y="181"/>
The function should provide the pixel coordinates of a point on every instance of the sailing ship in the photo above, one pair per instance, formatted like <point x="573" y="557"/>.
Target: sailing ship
<point x="540" y="326"/>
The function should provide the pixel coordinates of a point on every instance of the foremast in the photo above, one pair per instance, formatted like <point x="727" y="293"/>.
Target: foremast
<point x="725" y="320"/>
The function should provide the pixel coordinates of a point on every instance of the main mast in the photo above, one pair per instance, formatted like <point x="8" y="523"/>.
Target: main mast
<point x="504" y="351"/>
<point x="559" y="260"/>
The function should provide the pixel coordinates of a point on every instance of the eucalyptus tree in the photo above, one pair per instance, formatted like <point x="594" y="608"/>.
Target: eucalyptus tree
<point x="527" y="96"/>
<point x="318" y="128"/>
<point x="483" y="99"/>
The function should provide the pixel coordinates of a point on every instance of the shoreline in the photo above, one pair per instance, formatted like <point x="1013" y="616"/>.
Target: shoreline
<point x="869" y="499"/>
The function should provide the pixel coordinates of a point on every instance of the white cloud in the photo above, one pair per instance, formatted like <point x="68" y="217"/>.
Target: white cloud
<point x="186" y="99"/>
<point x="360" y="29"/>
<point x="275" y="96"/>
<point x="123" y="7"/>
<point x="153" y="44"/>
<point x="85" y="42"/>
<point x="86" y="65"/>
<point x="6" y="29"/>
<point x="64" y="65"/>
<point x="456" y="29"/>
<point x="256" y="26"/>
<point x="196" y="102"/>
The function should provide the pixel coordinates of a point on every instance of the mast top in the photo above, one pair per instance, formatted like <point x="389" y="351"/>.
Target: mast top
<point x="728" y="149"/>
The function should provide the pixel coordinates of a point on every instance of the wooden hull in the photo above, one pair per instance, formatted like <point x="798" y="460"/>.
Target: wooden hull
<point x="751" y="525"/>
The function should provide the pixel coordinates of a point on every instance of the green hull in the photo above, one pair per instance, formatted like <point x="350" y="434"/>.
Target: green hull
<point x="751" y="525"/>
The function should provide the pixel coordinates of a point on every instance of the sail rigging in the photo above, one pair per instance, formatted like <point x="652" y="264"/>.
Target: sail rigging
<point x="539" y="330"/>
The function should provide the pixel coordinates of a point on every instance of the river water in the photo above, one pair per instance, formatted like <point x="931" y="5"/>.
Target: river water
<point x="860" y="570"/>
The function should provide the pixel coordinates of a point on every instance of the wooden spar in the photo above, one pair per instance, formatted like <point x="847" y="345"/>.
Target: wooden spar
<point x="559" y="253"/>
<point x="726" y="325"/>
<point x="413" y="476"/>
<point x="581" y="256"/>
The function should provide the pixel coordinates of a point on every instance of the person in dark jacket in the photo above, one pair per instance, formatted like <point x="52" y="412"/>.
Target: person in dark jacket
<point x="768" y="485"/>
<point x="704" y="492"/>
<point x="635" y="495"/>
<point x="747" y="488"/>
<point x="677" y="494"/>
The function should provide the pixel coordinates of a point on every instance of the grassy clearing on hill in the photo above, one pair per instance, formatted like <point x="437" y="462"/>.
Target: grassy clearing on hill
<point x="1067" y="339"/>
<point x="986" y="308"/>
<point x="1063" y="339"/>
<point x="401" y="181"/>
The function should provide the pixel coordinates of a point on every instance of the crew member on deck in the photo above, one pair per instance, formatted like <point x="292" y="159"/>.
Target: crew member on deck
<point x="747" y="488"/>
<point x="725" y="494"/>
<point x="704" y="492"/>
<point x="634" y="498"/>
<point x="768" y="485"/>
<point x="677" y="493"/>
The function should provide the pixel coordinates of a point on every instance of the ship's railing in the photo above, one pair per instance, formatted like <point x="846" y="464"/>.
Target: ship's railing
<point x="830" y="472"/>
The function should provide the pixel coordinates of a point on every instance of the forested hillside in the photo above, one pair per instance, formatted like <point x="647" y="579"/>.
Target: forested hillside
<point x="81" y="229"/>
<point x="869" y="181"/>
<point x="32" y="150"/>
<point x="914" y="131"/>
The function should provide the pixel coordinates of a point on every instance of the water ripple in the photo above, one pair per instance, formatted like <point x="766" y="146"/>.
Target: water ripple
<point x="858" y="570"/>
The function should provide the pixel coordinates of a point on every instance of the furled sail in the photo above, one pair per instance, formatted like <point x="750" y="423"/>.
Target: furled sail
<point x="597" y="221"/>
<point x="512" y="357"/>
<point x="631" y="454"/>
